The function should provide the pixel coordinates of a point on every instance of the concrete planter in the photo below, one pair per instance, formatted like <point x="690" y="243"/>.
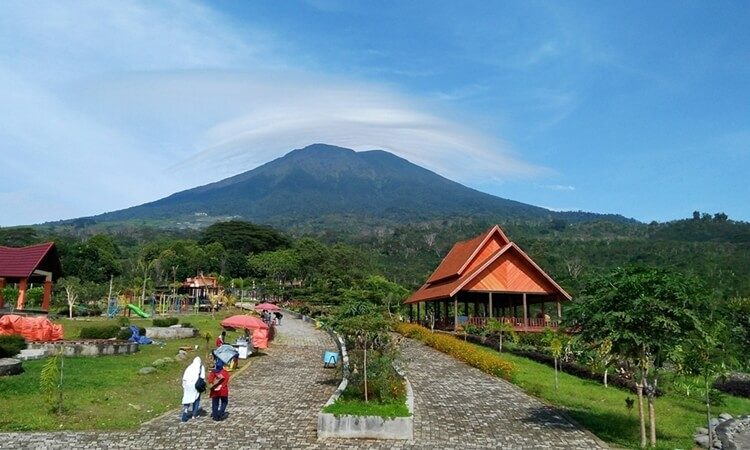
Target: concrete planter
<point x="361" y="427"/>
<point x="366" y="427"/>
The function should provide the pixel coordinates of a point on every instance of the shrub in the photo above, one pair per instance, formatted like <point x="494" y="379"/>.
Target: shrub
<point x="124" y="334"/>
<point x="123" y="321"/>
<point x="165" y="321"/>
<point x="483" y="359"/>
<point x="99" y="332"/>
<point x="11" y="345"/>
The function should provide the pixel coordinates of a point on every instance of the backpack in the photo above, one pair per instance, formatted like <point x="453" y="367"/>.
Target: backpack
<point x="200" y="385"/>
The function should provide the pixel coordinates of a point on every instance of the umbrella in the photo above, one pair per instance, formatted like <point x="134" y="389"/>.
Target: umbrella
<point x="248" y="322"/>
<point x="226" y="353"/>
<point x="266" y="306"/>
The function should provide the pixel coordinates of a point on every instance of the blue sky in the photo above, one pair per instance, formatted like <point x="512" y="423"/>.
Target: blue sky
<point x="641" y="109"/>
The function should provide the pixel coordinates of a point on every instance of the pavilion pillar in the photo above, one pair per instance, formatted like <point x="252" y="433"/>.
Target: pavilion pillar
<point x="419" y="318"/>
<point x="525" y="314"/>
<point x="47" y="295"/>
<point x="559" y="310"/>
<point x="2" y="298"/>
<point x="490" y="305"/>
<point x="22" y="286"/>
<point x="411" y="312"/>
<point x="455" y="313"/>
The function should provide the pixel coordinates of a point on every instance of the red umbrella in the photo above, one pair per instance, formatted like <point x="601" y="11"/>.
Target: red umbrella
<point x="248" y="322"/>
<point x="267" y="307"/>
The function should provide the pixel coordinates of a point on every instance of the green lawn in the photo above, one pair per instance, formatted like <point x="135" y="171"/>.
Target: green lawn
<point x="104" y="392"/>
<point x="602" y="410"/>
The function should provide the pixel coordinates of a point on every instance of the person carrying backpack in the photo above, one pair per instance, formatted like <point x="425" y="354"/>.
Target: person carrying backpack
<point x="193" y="383"/>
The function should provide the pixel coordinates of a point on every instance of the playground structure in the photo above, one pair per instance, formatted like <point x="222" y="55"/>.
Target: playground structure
<point x="160" y="304"/>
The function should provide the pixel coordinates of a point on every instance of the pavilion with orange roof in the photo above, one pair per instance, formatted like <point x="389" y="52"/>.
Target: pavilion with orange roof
<point x="488" y="276"/>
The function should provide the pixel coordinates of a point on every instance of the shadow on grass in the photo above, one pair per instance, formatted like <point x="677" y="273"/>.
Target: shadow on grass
<point x="619" y="428"/>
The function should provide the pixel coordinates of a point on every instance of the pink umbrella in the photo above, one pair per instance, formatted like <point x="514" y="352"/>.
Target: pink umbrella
<point x="248" y="322"/>
<point x="266" y="307"/>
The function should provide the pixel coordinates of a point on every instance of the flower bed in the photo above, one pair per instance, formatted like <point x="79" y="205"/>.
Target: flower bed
<point x="484" y="360"/>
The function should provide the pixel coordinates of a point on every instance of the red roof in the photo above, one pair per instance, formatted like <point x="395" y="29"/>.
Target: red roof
<point x="21" y="262"/>
<point x="487" y="263"/>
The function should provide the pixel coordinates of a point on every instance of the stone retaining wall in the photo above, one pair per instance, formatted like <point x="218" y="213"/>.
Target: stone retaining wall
<point x="101" y="347"/>
<point x="170" y="333"/>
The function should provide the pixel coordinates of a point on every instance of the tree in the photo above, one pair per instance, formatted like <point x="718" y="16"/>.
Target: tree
<point x="555" y="348"/>
<point x="709" y="354"/>
<point x="501" y="329"/>
<point x="645" y="313"/>
<point x="244" y="237"/>
<point x="73" y="288"/>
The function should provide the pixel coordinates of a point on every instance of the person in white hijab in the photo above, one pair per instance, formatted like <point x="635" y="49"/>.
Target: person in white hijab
<point x="191" y="398"/>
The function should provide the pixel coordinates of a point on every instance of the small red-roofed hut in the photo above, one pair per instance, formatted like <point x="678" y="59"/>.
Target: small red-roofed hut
<point x="488" y="276"/>
<point x="23" y="265"/>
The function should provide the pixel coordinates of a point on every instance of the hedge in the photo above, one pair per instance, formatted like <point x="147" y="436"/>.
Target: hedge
<point x="125" y="333"/>
<point x="11" y="345"/>
<point x="483" y="359"/>
<point x="99" y="332"/>
<point x="165" y="321"/>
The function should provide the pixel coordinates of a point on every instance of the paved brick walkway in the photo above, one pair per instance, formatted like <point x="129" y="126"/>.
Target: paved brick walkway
<point x="274" y="404"/>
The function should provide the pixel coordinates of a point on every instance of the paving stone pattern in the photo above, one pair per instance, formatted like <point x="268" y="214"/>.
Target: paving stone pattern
<point x="274" y="405"/>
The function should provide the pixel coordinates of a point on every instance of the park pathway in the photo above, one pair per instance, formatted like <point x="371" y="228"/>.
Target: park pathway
<point x="274" y="404"/>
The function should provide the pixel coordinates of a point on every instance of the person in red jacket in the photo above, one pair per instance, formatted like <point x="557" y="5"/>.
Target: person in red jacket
<point x="218" y="379"/>
<point x="220" y="339"/>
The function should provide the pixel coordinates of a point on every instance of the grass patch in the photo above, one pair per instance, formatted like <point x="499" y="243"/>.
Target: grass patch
<point x="104" y="393"/>
<point x="602" y="410"/>
<point x="348" y="404"/>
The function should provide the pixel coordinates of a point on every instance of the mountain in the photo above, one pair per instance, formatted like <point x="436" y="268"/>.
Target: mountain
<point x="323" y="182"/>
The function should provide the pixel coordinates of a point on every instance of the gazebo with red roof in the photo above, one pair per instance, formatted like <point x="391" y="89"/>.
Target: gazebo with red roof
<point x="490" y="276"/>
<point x="24" y="265"/>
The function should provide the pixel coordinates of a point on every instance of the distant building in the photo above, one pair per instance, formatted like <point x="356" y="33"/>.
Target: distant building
<point x="200" y="286"/>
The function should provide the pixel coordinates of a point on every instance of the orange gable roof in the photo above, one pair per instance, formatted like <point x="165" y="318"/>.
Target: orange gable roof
<point x="465" y="252"/>
<point x="487" y="263"/>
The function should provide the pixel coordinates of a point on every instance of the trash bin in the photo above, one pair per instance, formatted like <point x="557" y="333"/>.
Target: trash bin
<point x="242" y="348"/>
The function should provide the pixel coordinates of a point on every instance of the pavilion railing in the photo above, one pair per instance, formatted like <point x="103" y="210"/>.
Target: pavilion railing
<point x="517" y="322"/>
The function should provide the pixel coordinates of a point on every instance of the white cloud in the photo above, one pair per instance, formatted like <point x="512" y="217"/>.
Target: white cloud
<point x="111" y="105"/>
<point x="559" y="187"/>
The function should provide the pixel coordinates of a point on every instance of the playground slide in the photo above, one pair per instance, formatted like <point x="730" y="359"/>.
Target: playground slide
<point x="138" y="311"/>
